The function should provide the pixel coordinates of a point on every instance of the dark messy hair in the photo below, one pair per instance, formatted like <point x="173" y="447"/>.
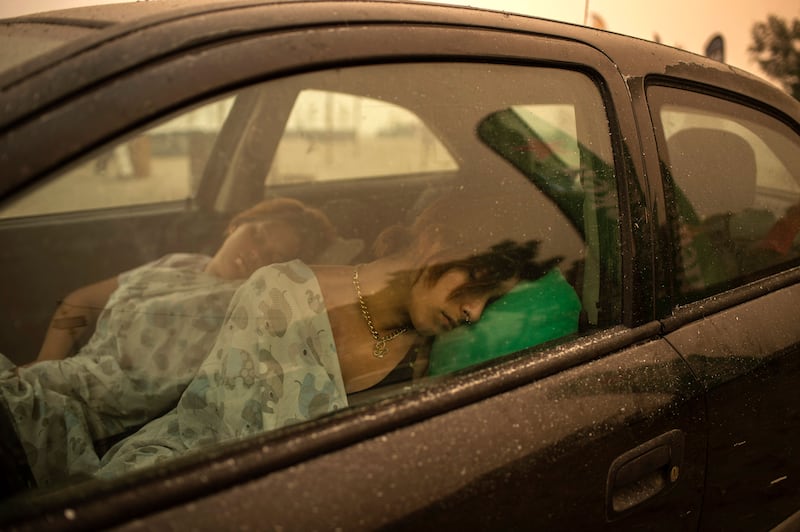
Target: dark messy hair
<point x="501" y="262"/>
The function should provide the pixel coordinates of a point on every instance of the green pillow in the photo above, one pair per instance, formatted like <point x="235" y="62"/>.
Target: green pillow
<point x="532" y="313"/>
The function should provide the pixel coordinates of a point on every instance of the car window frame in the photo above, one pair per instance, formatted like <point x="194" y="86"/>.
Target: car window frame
<point x="672" y="309"/>
<point x="291" y="445"/>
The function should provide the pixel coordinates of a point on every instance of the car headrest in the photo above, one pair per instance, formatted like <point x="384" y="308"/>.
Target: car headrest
<point x="715" y="169"/>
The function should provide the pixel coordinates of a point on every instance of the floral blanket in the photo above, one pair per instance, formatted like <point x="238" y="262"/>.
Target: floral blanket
<point x="272" y="363"/>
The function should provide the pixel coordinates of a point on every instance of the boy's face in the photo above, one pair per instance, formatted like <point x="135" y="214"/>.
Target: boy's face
<point x="448" y="302"/>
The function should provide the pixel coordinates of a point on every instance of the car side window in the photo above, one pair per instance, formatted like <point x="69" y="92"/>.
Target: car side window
<point x="162" y="164"/>
<point x="332" y="135"/>
<point x="506" y="191"/>
<point x="733" y="175"/>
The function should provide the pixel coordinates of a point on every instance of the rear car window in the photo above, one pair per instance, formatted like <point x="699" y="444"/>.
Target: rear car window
<point x="162" y="164"/>
<point x="733" y="174"/>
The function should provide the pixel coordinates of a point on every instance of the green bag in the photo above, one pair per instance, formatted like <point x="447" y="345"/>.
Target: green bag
<point x="532" y="313"/>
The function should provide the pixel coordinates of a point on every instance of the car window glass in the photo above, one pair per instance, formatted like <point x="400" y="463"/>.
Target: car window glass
<point x="160" y="165"/>
<point x="331" y="135"/>
<point x="734" y="178"/>
<point x="502" y="245"/>
<point x="556" y="128"/>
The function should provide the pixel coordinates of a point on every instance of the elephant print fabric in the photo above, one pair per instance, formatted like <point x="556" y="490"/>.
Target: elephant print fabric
<point x="154" y="333"/>
<point x="274" y="363"/>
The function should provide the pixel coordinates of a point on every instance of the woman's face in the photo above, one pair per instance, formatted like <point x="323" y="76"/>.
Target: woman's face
<point x="447" y="303"/>
<point x="252" y="245"/>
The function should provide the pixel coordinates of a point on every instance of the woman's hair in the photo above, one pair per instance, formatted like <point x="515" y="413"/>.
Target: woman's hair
<point x="315" y="229"/>
<point x="489" y="236"/>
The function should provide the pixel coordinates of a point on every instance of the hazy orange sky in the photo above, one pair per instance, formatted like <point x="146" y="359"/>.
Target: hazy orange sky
<point x="688" y="24"/>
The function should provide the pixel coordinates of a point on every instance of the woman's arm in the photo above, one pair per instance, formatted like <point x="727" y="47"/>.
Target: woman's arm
<point x="74" y="320"/>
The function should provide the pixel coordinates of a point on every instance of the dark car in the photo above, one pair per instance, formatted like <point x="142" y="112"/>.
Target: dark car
<point x="649" y="381"/>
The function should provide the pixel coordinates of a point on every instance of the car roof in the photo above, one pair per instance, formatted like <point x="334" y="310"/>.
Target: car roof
<point x="166" y="27"/>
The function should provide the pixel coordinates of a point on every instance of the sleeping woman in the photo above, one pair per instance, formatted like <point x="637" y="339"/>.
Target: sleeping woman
<point x="149" y="330"/>
<point x="297" y="339"/>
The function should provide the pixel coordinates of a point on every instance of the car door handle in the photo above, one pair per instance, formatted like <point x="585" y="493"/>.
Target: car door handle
<point x="643" y="472"/>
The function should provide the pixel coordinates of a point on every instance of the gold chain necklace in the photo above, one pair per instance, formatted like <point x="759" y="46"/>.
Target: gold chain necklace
<point x="380" y="349"/>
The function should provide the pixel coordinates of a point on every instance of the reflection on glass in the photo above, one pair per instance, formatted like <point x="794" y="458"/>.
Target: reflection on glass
<point x="160" y="165"/>
<point x="332" y="135"/>
<point x="735" y="192"/>
<point x="349" y="289"/>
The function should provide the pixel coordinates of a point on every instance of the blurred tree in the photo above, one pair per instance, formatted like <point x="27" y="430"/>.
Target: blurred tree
<point x="776" y="48"/>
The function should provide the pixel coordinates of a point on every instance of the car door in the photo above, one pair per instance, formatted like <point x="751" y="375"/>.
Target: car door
<point x="603" y="427"/>
<point x="730" y="170"/>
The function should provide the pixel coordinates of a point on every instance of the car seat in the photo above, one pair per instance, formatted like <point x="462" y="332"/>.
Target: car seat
<point x="714" y="176"/>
